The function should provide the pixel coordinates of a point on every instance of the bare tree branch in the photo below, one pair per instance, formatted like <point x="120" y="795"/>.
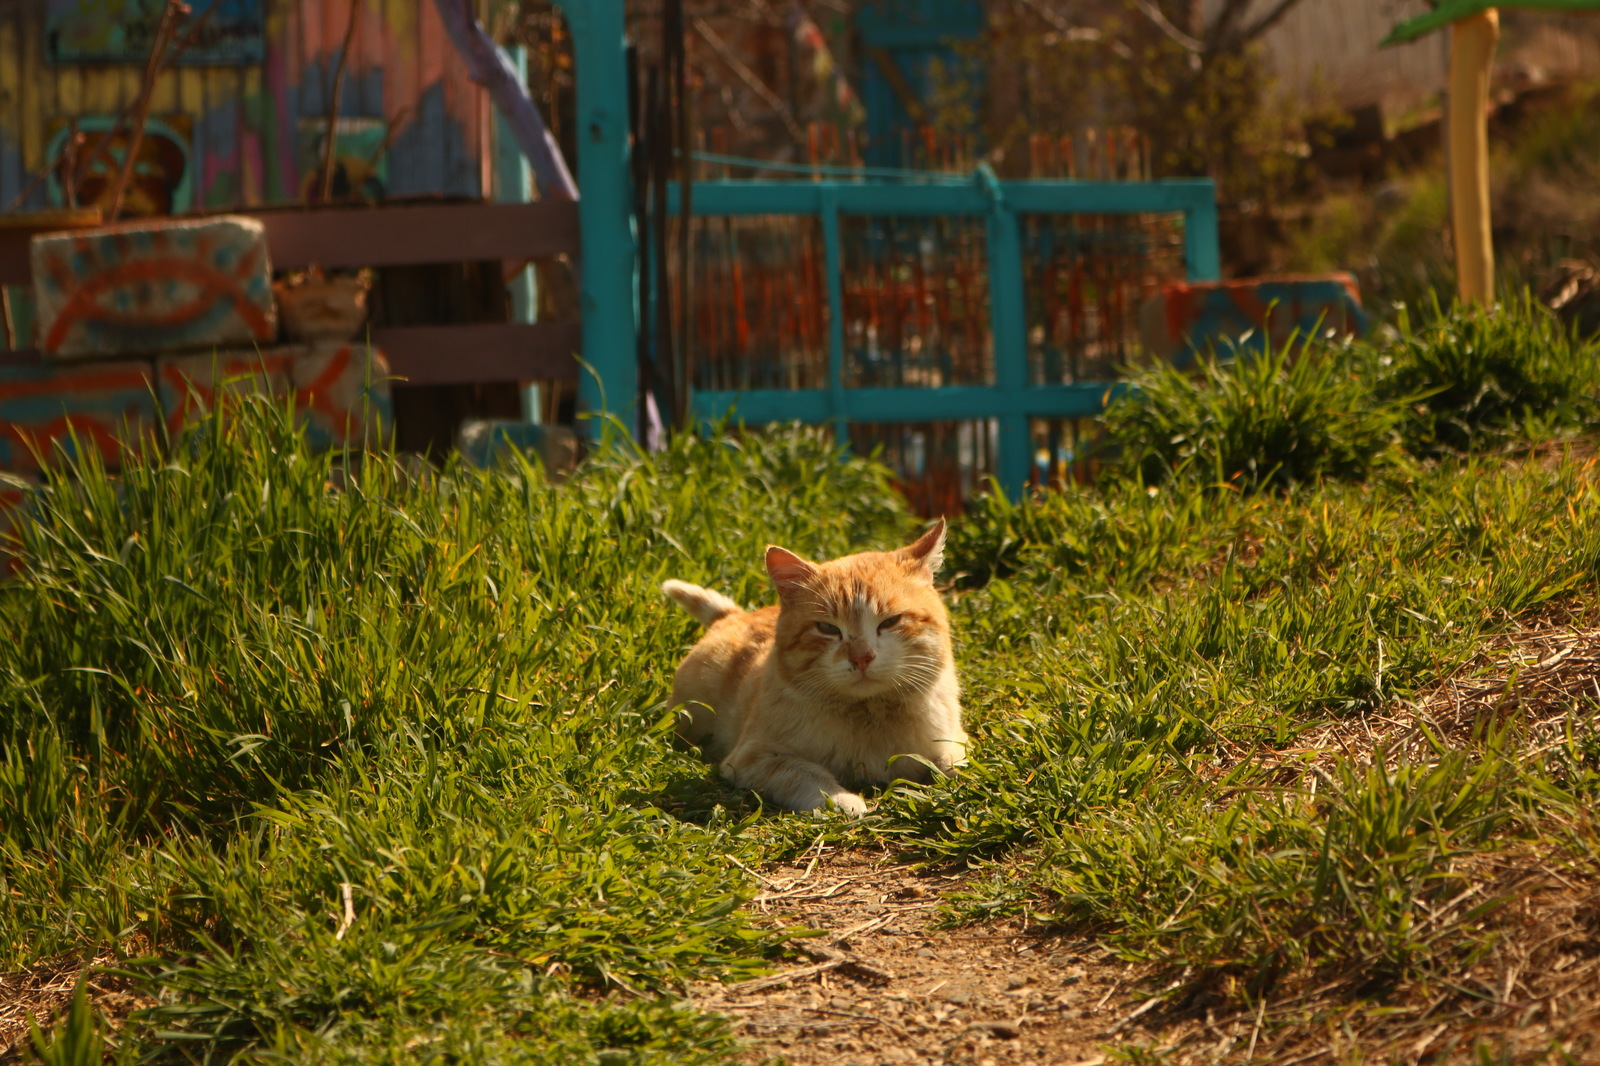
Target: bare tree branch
<point x="1060" y="24"/>
<point x="1219" y="32"/>
<point x="1159" y="19"/>
<point x="748" y="76"/>
<point x="1267" y="21"/>
<point x="1227" y="30"/>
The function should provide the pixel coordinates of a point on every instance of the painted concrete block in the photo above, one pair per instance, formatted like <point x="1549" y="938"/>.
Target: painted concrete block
<point x="192" y="385"/>
<point x="15" y="490"/>
<point x="46" y="409"/>
<point x="342" y="391"/>
<point x="1187" y="319"/>
<point x="153" y="287"/>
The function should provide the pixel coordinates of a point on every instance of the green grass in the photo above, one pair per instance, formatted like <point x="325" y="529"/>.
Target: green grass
<point x="1478" y="378"/>
<point x="250" y="683"/>
<point x="242" y="693"/>
<point x="1253" y="421"/>
<point x="1458" y="381"/>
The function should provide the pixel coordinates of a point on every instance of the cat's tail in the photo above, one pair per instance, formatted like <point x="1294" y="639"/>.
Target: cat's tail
<point x="705" y="605"/>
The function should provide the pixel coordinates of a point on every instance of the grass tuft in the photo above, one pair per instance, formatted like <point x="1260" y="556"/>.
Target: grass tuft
<point x="1295" y="413"/>
<point x="1477" y="377"/>
<point x="353" y="758"/>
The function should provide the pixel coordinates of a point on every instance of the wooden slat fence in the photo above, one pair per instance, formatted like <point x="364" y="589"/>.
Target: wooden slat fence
<point x="413" y="235"/>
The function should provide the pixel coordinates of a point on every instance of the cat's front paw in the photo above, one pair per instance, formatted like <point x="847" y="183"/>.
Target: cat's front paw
<point x="848" y="803"/>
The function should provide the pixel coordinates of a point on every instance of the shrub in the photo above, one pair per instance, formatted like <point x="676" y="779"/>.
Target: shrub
<point x="1484" y="374"/>
<point x="1297" y="412"/>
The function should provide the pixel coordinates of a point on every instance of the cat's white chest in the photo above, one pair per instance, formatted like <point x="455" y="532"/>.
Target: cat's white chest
<point x="867" y="741"/>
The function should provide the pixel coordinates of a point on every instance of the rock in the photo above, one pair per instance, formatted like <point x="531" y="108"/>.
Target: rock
<point x="957" y="995"/>
<point x="47" y="409"/>
<point x="486" y="442"/>
<point x="153" y="287"/>
<point x="318" y="308"/>
<point x="342" y="392"/>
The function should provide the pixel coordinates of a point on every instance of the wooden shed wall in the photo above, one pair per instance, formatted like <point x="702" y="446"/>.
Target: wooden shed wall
<point x="245" y="120"/>
<point x="1328" y="51"/>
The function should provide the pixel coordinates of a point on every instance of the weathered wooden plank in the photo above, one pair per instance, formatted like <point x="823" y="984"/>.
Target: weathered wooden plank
<point x="102" y="91"/>
<point x="484" y="352"/>
<point x="69" y="92"/>
<point x="429" y="155"/>
<point x="16" y="231"/>
<point x="33" y="101"/>
<point x="22" y="357"/>
<point x="12" y="101"/>
<point x="403" y="236"/>
<point x="455" y="355"/>
<point x="387" y="236"/>
<point x="255" y="116"/>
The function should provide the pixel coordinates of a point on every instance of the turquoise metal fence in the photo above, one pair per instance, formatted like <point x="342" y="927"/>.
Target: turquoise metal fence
<point x="609" y="384"/>
<point x="1009" y="398"/>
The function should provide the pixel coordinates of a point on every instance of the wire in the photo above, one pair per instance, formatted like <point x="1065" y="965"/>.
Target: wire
<point x="949" y="177"/>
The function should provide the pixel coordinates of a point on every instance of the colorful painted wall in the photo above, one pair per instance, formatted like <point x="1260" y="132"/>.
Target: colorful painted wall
<point x="247" y="132"/>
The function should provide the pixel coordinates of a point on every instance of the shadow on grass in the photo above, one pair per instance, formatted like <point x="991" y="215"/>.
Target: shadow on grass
<point x="699" y="798"/>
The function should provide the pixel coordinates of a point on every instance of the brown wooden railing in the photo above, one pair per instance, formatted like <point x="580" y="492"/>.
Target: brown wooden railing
<point x="412" y="235"/>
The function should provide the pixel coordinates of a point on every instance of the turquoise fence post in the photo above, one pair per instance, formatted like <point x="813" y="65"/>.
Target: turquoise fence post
<point x="1009" y="329"/>
<point x="833" y="265"/>
<point x="513" y="184"/>
<point x="1201" y="251"/>
<point x="608" y="387"/>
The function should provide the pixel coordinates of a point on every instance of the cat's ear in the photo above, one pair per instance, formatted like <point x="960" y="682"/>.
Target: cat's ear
<point x="927" y="554"/>
<point x="790" y="574"/>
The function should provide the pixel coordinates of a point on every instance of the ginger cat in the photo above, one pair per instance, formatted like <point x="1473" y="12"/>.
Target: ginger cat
<point x="836" y="685"/>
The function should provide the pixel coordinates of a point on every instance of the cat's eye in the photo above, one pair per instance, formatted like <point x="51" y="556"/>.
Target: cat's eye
<point x="890" y="622"/>
<point x="829" y="628"/>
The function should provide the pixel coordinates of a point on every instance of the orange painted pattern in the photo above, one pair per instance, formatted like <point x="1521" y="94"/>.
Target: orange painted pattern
<point x="133" y="377"/>
<point x="84" y="303"/>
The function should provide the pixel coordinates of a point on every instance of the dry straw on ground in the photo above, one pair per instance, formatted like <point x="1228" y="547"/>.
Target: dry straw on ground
<point x="44" y="991"/>
<point x="881" y="985"/>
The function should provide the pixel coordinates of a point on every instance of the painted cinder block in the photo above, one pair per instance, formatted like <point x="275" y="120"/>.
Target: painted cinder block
<point x="342" y="392"/>
<point x="47" y="409"/>
<point x="192" y="385"/>
<point x="149" y="288"/>
<point x="1187" y="319"/>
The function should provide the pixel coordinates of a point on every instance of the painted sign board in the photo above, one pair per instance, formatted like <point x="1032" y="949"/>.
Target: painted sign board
<point x="230" y="32"/>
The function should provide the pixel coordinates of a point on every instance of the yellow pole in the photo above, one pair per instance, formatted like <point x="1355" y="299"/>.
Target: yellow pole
<point x="1471" y="56"/>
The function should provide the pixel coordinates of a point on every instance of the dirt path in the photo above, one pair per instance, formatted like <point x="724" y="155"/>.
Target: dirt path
<point x="883" y="987"/>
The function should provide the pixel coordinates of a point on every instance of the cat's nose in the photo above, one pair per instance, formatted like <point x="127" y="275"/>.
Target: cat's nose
<point x="860" y="657"/>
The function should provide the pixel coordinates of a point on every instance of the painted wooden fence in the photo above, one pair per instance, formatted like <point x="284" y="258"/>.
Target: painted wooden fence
<point x="239" y="131"/>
